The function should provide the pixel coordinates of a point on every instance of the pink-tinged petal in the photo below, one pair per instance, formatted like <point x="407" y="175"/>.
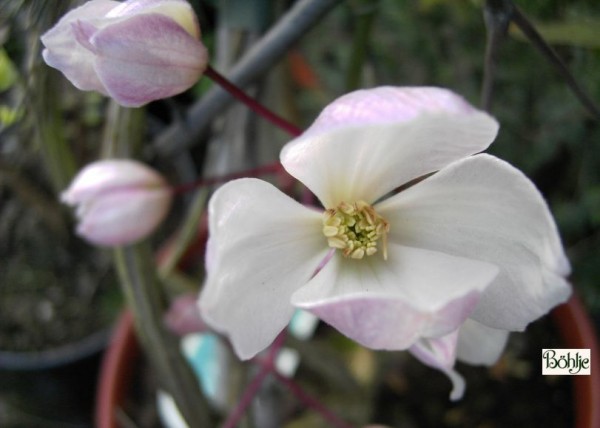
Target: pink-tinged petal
<point x="391" y="304"/>
<point x="83" y="32"/>
<point x="147" y="57"/>
<point x="479" y="344"/>
<point x="106" y="176"/>
<point x="183" y="316"/>
<point x="64" y="52"/>
<point x="369" y="142"/>
<point x="440" y="354"/>
<point x="178" y="10"/>
<point x="483" y="208"/>
<point x="123" y="216"/>
<point x="437" y="352"/>
<point x="264" y="246"/>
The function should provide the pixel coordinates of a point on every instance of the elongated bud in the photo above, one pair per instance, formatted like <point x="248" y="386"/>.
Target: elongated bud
<point x="135" y="52"/>
<point x="118" y="202"/>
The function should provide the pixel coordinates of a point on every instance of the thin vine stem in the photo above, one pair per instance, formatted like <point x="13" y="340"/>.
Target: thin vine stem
<point x="521" y="21"/>
<point x="270" y="49"/>
<point x="146" y="300"/>
<point x="272" y="168"/>
<point x="250" y="392"/>
<point x="310" y="401"/>
<point x="252" y="104"/>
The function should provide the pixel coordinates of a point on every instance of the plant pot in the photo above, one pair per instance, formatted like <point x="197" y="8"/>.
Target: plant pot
<point x="570" y="319"/>
<point x="577" y="331"/>
<point x="52" y="387"/>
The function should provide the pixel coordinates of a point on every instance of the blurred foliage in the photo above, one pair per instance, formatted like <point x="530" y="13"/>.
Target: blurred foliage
<point x="8" y="72"/>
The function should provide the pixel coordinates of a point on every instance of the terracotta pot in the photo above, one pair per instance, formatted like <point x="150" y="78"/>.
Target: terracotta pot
<point x="577" y="331"/>
<point x="571" y="320"/>
<point x="116" y="371"/>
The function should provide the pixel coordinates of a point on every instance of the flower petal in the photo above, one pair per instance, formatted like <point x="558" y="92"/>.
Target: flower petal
<point x="440" y="354"/>
<point x="264" y="246"/>
<point x="147" y="57"/>
<point x="179" y="10"/>
<point x="483" y="208"/>
<point x="479" y="344"/>
<point x="123" y="217"/>
<point x="391" y="304"/>
<point x="106" y="176"/>
<point x="369" y="142"/>
<point x="64" y="52"/>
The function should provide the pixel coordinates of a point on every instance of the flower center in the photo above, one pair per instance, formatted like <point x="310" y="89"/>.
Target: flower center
<point x="355" y="229"/>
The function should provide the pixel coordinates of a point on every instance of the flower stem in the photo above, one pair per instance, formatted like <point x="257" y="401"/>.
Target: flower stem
<point x="185" y="235"/>
<point x="146" y="301"/>
<point x="534" y="37"/>
<point x="271" y="48"/>
<point x="249" y="394"/>
<point x="365" y="12"/>
<point x="254" y="105"/>
<point x="311" y="401"/>
<point x="271" y="168"/>
<point x="252" y="389"/>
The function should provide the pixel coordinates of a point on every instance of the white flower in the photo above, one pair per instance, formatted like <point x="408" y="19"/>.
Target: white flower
<point x="444" y="268"/>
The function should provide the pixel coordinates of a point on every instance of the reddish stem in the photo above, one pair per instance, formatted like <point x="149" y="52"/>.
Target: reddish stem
<point x="310" y="401"/>
<point x="271" y="168"/>
<point x="249" y="394"/>
<point x="251" y="390"/>
<point x="254" y="105"/>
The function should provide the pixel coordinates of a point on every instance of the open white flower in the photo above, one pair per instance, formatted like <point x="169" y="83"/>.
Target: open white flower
<point x="444" y="268"/>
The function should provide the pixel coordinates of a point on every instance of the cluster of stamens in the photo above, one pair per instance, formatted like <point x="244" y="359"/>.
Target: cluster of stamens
<point x="355" y="229"/>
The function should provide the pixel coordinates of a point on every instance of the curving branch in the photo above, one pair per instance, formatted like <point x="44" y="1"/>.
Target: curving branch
<point x="267" y="52"/>
<point x="498" y="15"/>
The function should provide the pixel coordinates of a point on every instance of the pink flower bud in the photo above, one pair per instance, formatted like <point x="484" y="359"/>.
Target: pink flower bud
<point x="136" y="51"/>
<point x="118" y="201"/>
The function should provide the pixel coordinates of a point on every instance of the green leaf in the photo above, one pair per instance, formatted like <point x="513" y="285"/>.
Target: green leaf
<point x="8" y="72"/>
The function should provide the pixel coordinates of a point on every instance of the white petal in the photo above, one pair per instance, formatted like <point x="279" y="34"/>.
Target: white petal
<point x="485" y="209"/>
<point x="264" y="246"/>
<point x="391" y="304"/>
<point x="105" y="176"/>
<point x="124" y="216"/>
<point x="367" y="143"/>
<point x="440" y="354"/>
<point x="479" y="344"/>
<point x="65" y="53"/>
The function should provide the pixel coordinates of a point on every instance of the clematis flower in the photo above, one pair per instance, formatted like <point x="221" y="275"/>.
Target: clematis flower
<point x="118" y="201"/>
<point x="444" y="268"/>
<point x="135" y="52"/>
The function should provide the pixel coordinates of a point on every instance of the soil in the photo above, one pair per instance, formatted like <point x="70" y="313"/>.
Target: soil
<point x="54" y="289"/>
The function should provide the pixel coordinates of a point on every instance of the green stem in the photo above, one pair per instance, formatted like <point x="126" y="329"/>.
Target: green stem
<point x="365" y="12"/>
<point x="521" y="21"/>
<point x="57" y="154"/>
<point x="147" y="303"/>
<point x="187" y="233"/>
<point x="123" y="131"/>
<point x="44" y="93"/>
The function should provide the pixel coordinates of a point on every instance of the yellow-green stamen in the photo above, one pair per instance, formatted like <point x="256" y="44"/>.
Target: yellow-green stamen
<point x="355" y="229"/>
